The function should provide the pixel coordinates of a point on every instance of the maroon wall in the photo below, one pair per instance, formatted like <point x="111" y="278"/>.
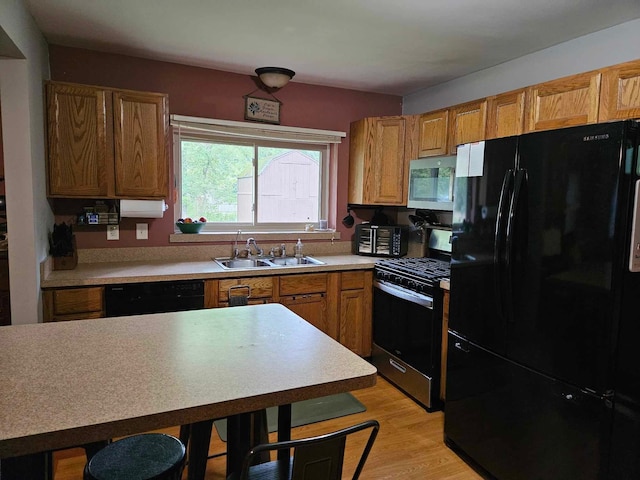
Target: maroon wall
<point x="210" y="93"/>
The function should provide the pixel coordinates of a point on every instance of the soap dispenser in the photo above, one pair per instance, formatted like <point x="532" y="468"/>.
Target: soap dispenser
<point x="298" y="249"/>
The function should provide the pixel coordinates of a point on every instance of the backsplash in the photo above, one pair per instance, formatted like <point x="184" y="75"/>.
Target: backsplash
<point x="197" y="252"/>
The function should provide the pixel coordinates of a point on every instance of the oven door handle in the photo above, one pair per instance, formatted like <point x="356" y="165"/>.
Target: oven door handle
<point x="405" y="294"/>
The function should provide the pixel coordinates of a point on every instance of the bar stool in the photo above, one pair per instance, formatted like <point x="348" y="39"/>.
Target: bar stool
<point x="149" y="456"/>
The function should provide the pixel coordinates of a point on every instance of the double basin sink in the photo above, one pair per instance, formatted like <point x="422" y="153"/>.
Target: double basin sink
<point x="266" y="262"/>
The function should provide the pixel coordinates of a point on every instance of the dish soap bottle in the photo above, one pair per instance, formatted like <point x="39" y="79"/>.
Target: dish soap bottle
<point x="298" y="249"/>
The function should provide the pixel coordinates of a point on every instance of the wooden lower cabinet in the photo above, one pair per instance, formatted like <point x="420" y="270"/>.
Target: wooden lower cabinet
<point x="355" y="332"/>
<point x="73" y="303"/>
<point x="355" y="306"/>
<point x="337" y="303"/>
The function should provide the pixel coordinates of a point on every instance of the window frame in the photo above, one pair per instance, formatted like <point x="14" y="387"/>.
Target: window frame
<point x="205" y="130"/>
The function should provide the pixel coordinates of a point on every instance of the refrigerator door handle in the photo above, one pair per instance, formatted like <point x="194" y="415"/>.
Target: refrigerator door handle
<point x="498" y="242"/>
<point x="510" y="242"/>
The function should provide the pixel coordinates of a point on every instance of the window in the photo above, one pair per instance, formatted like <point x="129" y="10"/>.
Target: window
<point x="240" y="177"/>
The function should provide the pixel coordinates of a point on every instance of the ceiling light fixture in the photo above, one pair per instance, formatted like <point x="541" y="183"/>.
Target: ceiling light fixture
<point x="274" y="77"/>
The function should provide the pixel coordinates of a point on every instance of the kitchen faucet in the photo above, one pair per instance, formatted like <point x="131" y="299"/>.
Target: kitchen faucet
<point x="252" y="241"/>
<point x="235" y="245"/>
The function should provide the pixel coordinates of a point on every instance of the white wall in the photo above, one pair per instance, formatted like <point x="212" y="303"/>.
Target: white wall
<point x="601" y="49"/>
<point x="29" y="216"/>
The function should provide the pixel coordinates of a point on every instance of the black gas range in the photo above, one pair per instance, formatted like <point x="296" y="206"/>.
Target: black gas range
<point x="420" y="275"/>
<point x="407" y="325"/>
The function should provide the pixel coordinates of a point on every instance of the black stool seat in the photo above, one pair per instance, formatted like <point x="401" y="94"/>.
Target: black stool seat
<point x="150" y="456"/>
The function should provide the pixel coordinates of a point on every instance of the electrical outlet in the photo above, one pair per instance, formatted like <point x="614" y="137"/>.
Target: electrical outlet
<point x="113" y="232"/>
<point x="142" y="231"/>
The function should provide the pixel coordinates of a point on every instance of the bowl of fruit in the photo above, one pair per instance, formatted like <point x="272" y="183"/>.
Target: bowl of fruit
<point x="187" y="225"/>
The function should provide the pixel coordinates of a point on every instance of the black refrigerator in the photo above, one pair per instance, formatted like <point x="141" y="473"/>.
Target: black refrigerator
<point x="543" y="367"/>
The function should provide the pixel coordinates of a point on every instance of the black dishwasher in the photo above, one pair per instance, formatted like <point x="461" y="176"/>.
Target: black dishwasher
<point x="153" y="297"/>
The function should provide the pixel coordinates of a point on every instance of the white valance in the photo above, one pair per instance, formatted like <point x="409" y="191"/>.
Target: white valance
<point x="240" y="130"/>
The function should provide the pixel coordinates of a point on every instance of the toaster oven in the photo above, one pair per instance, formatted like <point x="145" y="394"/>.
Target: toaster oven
<point x="381" y="240"/>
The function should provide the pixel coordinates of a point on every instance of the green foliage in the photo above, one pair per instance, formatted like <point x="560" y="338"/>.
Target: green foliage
<point x="209" y="178"/>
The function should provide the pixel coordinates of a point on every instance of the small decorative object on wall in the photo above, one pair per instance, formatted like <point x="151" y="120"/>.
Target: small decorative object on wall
<point x="269" y="80"/>
<point x="262" y="109"/>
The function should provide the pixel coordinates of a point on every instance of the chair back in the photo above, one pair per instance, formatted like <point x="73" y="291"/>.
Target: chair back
<point x="314" y="458"/>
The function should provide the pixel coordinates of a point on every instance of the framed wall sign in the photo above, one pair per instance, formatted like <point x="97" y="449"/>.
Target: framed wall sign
<point x="261" y="109"/>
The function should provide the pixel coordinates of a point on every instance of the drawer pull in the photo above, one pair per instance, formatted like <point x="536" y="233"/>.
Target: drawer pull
<point x="397" y="366"/>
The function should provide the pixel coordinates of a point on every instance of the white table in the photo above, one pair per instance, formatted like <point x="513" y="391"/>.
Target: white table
<point x="77" y="382"/>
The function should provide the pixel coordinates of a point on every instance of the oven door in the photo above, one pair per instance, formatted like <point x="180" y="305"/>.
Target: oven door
<point x="406" y="341"/>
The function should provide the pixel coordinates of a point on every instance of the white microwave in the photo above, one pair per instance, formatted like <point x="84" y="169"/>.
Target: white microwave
<point x="431" y="183"/>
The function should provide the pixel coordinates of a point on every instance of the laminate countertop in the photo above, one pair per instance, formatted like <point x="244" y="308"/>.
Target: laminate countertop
<point x="67" y="383"/>
<point x="105" y="273"/>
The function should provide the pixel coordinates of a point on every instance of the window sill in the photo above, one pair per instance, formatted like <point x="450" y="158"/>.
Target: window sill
<point x="210" y="237"/>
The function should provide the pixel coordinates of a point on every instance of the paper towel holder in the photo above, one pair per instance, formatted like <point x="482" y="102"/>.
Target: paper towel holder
<point x="142" y="208"/>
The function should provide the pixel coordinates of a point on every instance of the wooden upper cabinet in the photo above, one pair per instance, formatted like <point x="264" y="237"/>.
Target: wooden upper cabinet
<point x="105" y="143"/>
<point x="620" y="92"/>
<point x="564" y="102"/>
<point x="377" y="161"/>
<point x="505" y="114"/>
<point x="80" y="152"/>
<point x="433" y="133"/>
<point x="467" y="123"/>
<point x="140" y="130"/>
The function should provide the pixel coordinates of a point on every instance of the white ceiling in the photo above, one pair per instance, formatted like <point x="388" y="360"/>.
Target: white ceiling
<point x="385" y="46"/>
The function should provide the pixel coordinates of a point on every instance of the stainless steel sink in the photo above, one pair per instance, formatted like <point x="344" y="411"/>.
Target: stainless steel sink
<point x="283" y="261"/>
<point x="235" y="263"/>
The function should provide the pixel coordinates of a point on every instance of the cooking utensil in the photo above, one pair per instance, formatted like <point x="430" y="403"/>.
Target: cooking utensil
<point x="348" y="221"/>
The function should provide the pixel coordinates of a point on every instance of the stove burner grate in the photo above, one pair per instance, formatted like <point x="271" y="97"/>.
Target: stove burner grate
<point x="424" y="268"/>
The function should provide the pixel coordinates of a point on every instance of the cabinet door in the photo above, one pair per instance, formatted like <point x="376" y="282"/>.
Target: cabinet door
<point x="141" y="154"/>
<point x="467" y="123"/>
<point x="377" y="162"/>
<point x="211" y="293"/>
<point x="620" y="92"/>
<point x="355" y="319"/>
<point x="563" y="103"/>
<point x="433" y="128"/>
<point x="311" y="307"/>
<point x="505" y="114"/>
<point x="387" y="170"/>
<point x="73" y="303"/>
<point x="355" y="333"/>
<point x="80" y="141"/>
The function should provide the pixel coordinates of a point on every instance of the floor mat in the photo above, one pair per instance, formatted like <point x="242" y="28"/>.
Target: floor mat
<point x="307" y="411"/>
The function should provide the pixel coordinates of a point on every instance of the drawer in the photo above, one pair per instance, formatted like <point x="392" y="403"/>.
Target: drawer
<point x="353" y="280"/>
<point x="78" y="300"/>
<point x="253" y="287"/>
<point x="306" y="283"/>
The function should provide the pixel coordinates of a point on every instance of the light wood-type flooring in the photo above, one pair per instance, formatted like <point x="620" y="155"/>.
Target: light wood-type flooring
<point x="409" y="445"/>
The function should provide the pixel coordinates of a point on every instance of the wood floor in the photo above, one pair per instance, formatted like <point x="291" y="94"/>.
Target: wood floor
<point x="409" y="445"/>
